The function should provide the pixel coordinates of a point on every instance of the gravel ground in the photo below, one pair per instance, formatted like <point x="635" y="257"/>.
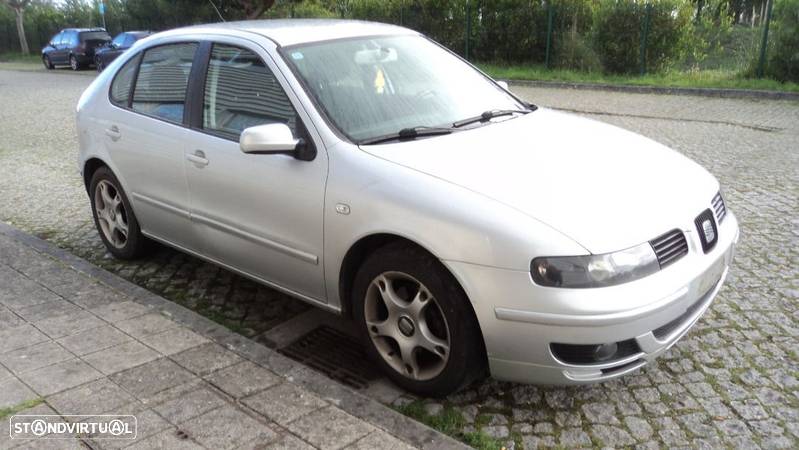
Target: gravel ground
<point x="732" y="382"/>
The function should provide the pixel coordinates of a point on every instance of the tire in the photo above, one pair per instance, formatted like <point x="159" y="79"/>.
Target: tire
<point x="129" y="244"/>
<point x="98" y="64"/>
<point x="47" y="63"/>
<point x="452" y="353"/>
<point x="73" y="63"/>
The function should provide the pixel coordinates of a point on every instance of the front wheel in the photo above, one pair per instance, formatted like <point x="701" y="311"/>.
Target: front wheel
<point x="47" y="63"/>
<point x="98" y="63"/>
<point x="73" y="63"/>
<point x="416" y="321"/>
<point x="114" y="217"/>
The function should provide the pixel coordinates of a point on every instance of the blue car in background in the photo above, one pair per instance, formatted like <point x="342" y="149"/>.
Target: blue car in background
<point x="123" y="41"/>
<point x="74" y="47"/>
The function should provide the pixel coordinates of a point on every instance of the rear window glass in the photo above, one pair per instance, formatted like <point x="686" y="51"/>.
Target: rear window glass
<point x="163" y="78"/>
<point x="95" y="36"/>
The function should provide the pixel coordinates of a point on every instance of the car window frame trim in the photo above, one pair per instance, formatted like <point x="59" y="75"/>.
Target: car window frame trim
<point x="191" y="90"/>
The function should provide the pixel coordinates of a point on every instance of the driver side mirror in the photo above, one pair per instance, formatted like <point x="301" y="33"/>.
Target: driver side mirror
<point x="275" y="138"/>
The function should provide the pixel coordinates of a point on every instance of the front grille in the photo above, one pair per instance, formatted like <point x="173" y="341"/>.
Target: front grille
<point x="719" y="208"/>
<point x="669" y="247"/>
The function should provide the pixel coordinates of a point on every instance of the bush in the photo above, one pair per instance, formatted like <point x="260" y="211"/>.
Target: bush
<point x="573" y="52"/>
<point x="619" y="25"/>
<point x="571" y="47"/>
<point x="783" y="56"/>
<point x="713" y="36"/>
<point x="509" y="31"/>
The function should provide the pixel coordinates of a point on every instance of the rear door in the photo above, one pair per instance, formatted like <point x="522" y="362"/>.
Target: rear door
<point x="145" y="134"/>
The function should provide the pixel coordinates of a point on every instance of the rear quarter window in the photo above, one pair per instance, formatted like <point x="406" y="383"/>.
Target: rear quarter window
<point x="120" y="87"/>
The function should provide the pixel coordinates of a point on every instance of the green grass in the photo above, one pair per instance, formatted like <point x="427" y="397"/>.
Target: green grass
<point x="5" y="412"/>
<point x="695" y="79"/>
<point x="33" y="58"/>
<point x="451" y="423"/>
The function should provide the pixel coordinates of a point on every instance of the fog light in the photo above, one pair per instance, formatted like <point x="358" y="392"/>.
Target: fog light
<point x="604" y="352"/>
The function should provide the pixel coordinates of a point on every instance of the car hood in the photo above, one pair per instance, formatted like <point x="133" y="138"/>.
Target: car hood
<point x="604" y="187"/>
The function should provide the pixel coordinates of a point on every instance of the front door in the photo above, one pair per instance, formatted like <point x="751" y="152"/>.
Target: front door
<point x="260" y="214"/>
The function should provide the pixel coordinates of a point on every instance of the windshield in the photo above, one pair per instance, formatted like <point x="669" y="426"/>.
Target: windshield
<point x="376" y="86"/>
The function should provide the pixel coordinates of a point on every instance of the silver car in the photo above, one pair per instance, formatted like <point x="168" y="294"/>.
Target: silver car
<point x="369" y="171"/>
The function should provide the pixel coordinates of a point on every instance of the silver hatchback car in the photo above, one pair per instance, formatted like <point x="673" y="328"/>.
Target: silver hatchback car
<point x="369" y="171"/>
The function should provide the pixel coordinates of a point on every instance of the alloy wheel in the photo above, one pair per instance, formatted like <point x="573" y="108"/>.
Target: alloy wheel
<point x="407" y="326"/>
<point x="111" y="214"/>
<point x="73" y="63"/>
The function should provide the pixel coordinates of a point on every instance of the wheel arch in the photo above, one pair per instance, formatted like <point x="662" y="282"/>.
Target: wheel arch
<point x="89" y="167"/>
<point x="365" y="246"/>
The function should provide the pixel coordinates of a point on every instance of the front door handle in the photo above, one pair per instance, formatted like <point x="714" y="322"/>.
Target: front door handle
<point x="113" y="133"/>
<point x="198" y="158"/>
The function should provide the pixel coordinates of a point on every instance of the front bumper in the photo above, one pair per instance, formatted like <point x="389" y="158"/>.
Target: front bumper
<point x="519" y="319"/>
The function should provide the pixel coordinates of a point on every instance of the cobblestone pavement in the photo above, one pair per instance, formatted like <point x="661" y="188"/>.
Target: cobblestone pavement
<point x="73" y="344"/>
<point x="732" y="382"/>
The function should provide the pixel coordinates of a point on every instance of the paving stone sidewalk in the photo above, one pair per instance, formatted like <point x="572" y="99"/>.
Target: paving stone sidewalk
<point x="71" y="344"/>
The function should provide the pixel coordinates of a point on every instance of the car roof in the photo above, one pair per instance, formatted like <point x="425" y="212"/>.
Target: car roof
<point x="137" y="33"/>
<point x="83" y="30"/>
<point x="285" y="32"/>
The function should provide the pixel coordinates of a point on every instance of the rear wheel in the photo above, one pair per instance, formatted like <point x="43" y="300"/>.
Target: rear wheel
<point x="114" y="217"/>
<point x="47" y="63"/>
<point x="416" y="321"/>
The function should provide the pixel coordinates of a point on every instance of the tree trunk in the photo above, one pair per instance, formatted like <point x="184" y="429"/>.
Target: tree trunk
<point x="23" y="41"/>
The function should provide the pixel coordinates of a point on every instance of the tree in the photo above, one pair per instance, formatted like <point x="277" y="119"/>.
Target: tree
<point x="254" y="8"/>
<point x="19" y="10"/>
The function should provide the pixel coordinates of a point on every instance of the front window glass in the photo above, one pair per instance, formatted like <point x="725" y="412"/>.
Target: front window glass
<point x="376" y="86"/>
<point x="241" y="92"/>
<point x="163" y="78"/>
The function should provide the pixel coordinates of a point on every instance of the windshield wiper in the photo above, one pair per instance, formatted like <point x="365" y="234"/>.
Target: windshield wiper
<point x="407" y="134"/>
<point x="488" y="115"/>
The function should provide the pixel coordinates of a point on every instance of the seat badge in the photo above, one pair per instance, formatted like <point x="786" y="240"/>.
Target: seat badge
<point x="707" y="230"/>
<point x="710" y="234"/>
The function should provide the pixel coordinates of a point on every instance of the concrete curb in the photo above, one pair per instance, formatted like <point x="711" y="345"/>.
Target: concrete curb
<point x="342" y="396"/>
<point x="704" y="92"/>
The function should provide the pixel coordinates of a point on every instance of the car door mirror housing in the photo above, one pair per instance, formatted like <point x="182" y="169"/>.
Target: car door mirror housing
<point x="275" y="138"/>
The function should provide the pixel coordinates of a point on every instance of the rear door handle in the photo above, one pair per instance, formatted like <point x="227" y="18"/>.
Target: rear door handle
<point x="113" y="133"/>
<point x="198" y="158"/>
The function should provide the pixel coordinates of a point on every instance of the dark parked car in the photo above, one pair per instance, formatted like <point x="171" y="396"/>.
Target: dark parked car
<point x="123" y="41"/>
<point x="74" y="47"/>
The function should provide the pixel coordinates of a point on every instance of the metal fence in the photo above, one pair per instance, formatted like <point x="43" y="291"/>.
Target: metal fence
<point x="624" y="36"/>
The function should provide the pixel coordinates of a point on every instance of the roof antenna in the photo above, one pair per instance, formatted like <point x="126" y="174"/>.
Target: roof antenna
<point x="217" y="10"/>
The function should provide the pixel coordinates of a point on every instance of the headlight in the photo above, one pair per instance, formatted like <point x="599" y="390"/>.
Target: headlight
<point x="595" y="270"/>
